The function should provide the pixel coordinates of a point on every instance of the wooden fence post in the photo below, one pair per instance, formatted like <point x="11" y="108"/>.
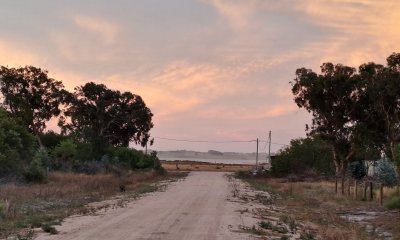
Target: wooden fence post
<point x="371" y="191"/>
<point x="342" y="185"/>
<point x="365" y="191"/>
<point x="381" y="194"/>
<point x="356" y="189"/>
<point x="348" y="187"/>
<point x="336" y="185"/>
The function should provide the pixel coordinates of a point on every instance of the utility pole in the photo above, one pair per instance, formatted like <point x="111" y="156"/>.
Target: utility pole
<point x="257" y="156"/>
<point x="269" y="148"/>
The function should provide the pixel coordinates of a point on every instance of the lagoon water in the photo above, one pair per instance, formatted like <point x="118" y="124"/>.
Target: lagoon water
<point x="223" y="161"/>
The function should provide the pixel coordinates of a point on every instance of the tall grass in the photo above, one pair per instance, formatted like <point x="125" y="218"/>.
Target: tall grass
<point x="24" y="205"/>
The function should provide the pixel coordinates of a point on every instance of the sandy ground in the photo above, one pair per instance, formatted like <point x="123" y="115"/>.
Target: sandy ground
<point x="200" y="207"/>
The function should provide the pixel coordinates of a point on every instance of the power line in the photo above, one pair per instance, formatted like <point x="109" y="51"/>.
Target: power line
<point x="225" y="141"/>
<point x="202" y="141"/>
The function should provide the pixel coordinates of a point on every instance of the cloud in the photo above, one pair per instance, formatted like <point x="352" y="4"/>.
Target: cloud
<point x="351" y="31"/>
<point x="264" y="111"/>
<point x="105" y="30"/>
<point x="14" y="55"/>
<point x="89" y="39"/>
<point x="185" y="87"/>
<point x="236" y="12"/>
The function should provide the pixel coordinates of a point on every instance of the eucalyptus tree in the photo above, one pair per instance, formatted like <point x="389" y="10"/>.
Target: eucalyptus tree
<point x="105" y="117"/>
<point x="330" y="97"/>
<point x="380" y="103"/>
<point x="31" y="96"/>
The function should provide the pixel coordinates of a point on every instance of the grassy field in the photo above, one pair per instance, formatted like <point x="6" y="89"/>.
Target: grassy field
<point x="204" y="166"/>
<point x="323" y="212"/>
<point x="26" y="206"/>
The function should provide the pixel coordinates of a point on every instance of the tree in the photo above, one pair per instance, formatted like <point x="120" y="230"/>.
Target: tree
<point x="30" y="95"/>
<point x="16" y="144"/>
<point x="380" y="100"/>
<point x="331" y="98"/>
<point x="106" y="117"/>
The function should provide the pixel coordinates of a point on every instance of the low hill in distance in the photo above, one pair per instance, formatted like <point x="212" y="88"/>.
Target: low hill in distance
<point x="211" y="154"/>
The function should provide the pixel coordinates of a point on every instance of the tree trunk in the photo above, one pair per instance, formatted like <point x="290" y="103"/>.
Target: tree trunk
<point x="341" y="163"/>
<point x="41" y="146"/>
<point x="336" y="162"/>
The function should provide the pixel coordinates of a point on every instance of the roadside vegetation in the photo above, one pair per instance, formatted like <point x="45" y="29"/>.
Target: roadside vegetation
<point x="355" y="130"/>
<point x="46" y="176"/>
<point x="44" y="206"/>
<point x="314" y="207"/>
<point x="352" y="148"/>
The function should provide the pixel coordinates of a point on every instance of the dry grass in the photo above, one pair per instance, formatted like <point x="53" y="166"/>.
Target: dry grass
<point x="318" y="206"/>
<point x="204" y="166"/>
<point x="27" y="205"/>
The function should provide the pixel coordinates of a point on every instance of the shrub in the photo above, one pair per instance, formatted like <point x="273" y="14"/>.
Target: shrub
<point x="36" y="171"/>
<point x="132" y="158"/>
<point x="49" y="229"/>
<point x="16" y="144"/>
<point x="51" y="139"/>
<point x="84" y="152"/>
<point x="386" y="173"/>
<point x="64" y="154"/>
<point x="393" y="202"/>
<point x="302" y="155"/>
<point x="126" y="157"/>
<point x="2" y="209"/>
<point x="357" y="170"/>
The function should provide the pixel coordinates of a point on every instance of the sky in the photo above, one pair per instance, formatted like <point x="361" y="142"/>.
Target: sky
<point x="210" y="70"/>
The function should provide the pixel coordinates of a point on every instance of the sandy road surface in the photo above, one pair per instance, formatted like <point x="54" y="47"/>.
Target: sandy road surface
<point x="196" y="208"/>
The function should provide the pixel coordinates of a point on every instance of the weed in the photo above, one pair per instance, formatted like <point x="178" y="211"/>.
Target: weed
<point x="284" y="237"/>
<point x="28" y="236"/>
<point x="265" y="225"/>
<point x="393" y="202"/>
<point x="235" y="187"/>
<point x="291" y="222"/>
<point x="257" y="231"/>
<point x="2" y="209"/>
<point x="37" y="220"/>
<point x="266" y="200"/>
<point x="146" y="188"/>
<point x="244" y="210"/>
<point x="49" y="228"/>
<point x="307" y="236"/>
<point x="280" y="229"/>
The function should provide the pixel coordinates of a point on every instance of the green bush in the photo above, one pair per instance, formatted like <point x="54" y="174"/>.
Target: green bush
<point x="46" y="227"/>
<point x="132" y="158"/>
<point x="125" y="157"/>
<point x="36" y="171"/>
<point x="51" y="139"/>
<point x="16" y="144"/>
<point x="302" y="155"/>
<point x="386" y="173"/>
<point x="84" y="152"/>
<point x="393" y="202"/>
<point x="64" y="155"/>
<point x="357" y="170"/>
<point x="2" y="208"/>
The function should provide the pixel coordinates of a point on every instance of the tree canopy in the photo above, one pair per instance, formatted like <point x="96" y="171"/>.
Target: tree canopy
<point x="107" y="117"/>
<point x="31" y="95"/>
<point x="355" y="111"/>
<point x="330" y="97"/>
<point x="16" y="143"/>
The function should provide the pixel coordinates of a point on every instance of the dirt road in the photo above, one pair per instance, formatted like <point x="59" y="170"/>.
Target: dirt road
<point x="195" y="208"/>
